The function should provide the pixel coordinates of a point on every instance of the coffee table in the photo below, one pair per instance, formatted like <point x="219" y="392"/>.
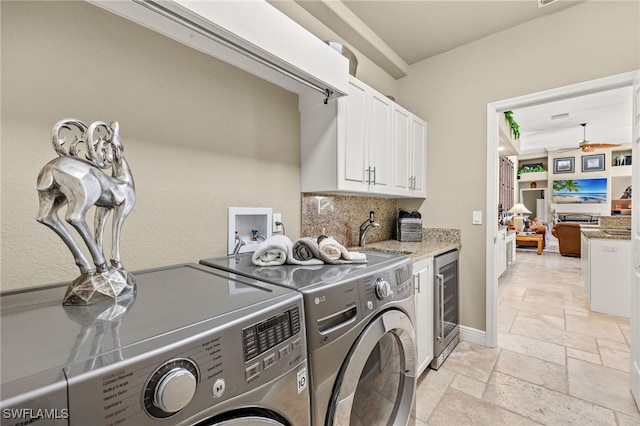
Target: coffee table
<point x="530" y="240"/>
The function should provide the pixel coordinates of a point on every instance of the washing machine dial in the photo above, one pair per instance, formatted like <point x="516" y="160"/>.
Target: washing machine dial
<point x="170" y="388"/>
<point x="383" y="289"/>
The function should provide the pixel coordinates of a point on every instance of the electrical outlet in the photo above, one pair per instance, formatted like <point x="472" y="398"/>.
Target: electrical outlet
<point x="277" y="218"/>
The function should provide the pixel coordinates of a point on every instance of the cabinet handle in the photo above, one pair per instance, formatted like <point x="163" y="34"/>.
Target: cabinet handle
<point x="368" y="171"/>
<point x="416" y="279"/>
<point x="440" y="278"/>
<point x="374" y="175"/>
<point x="413" y="186"/>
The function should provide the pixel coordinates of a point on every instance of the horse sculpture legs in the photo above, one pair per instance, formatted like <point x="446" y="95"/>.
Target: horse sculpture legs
<point x="76" y="217"/>
<point x="102" y="214"/>
<point x="47" y="216"/>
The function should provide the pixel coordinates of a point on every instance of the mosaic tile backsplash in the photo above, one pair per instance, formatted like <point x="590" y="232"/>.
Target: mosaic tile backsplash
<point x="340" y="217"/>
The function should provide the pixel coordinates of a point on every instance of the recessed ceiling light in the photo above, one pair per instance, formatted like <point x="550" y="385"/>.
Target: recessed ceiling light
<point x="558" y="116"/>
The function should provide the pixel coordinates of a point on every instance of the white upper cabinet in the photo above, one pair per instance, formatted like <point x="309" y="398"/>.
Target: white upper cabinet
<point x="410" y="140"/>
<point x="346" y="144"/>
<point x="349" y="146"/>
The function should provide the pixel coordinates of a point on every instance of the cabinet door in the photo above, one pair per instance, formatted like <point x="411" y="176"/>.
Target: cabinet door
<point x="419" y="156"/>
<point x="501" y="252"/>
<point x="353" y="149"/>
<point x="423" y="282"/>
<point x="380" y="144"/>
<point x="401" y="119"/>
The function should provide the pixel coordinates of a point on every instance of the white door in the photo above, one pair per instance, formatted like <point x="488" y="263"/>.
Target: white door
<point x="635" y="232"/>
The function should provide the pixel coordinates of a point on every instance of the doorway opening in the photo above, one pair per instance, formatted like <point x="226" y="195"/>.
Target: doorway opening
<point x="566" y="92"/>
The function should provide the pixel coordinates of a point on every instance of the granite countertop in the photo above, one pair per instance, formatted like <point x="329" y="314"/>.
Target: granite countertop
<point x="608" y="233"/>
<point x="416" y="251"/>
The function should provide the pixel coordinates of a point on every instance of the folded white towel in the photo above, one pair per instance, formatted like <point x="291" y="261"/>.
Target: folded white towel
<point x="305" y="251"/>
<point x="272" y="251"/>
<point x="332" y="251"/>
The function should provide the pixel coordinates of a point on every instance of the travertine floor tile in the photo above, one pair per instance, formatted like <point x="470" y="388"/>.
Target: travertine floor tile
<point x="535" y="348"/>
<point x="473" y="361"/>
<point x="594" y="327"/>
<point x="543" y="405"/>
<point x="547" y="374"/>
<point x="585" y="356"/>
<point x="552" y="335"/>
<point x="468" y="385"/>
<point x="620" y="360"/>
<point x="542" y="319"/>
<point x="463" y="409"/>
<point x="601" y="385"/>
<point x="430" y="388"/>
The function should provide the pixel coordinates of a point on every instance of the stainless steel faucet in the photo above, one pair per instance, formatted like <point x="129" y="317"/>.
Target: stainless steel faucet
<point x="239" y="244"/>
<point x="364" y="228"/>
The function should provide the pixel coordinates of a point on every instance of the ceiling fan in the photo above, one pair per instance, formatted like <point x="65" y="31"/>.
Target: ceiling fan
<point x="586" y="146"/>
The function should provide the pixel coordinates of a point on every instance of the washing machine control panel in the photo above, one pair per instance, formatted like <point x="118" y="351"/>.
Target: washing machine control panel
<point x="387" y="286"/>
<point x="171" y="387"/>
<point x="186" y="378"/>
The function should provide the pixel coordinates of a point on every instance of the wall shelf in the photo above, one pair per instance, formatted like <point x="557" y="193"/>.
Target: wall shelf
<point x="533" y="176"/>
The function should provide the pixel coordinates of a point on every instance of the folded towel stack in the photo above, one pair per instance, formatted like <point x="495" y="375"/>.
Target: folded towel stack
<point x="272" y="251"/>
<point x="333" y="252"/>
<point x="279" y="250"/>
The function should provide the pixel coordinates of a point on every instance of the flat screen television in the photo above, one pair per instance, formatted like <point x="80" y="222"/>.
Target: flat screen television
<point x="580" y="190"/>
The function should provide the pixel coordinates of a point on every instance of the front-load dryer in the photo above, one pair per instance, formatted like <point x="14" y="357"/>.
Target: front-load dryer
<point x="360" y="332"/>
<point x="194" y="346"/>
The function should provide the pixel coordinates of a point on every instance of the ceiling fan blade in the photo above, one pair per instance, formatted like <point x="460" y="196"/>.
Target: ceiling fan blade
<point x="592" y="146"/>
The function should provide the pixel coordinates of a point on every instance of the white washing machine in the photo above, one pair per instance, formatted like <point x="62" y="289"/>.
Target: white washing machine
<point x="360" y="333"/>
<point x="193" y="346"/>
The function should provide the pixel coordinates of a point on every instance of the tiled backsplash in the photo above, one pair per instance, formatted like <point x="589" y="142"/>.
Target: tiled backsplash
<point x="340" y="216"/>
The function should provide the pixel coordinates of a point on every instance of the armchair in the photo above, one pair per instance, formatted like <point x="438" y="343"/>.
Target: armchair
<point x="568" y="235"/>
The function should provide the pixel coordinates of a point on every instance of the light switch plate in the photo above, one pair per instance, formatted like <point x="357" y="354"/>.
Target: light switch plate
<point x="477" y="217"/>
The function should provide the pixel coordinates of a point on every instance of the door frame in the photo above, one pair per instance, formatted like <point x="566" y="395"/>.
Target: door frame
<point x="565" y="92"/>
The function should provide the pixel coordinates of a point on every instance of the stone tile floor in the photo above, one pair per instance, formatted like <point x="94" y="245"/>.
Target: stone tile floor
<point x="556" y="362"/>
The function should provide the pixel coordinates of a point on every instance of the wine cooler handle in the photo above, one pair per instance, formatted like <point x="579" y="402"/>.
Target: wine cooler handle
<point x="440" y="279"/>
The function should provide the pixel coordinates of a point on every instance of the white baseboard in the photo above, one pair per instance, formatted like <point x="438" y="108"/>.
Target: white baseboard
<point x="473" y="335"/>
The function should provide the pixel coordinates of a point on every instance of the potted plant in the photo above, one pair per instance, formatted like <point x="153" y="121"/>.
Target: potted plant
<point x="515" y="128"/>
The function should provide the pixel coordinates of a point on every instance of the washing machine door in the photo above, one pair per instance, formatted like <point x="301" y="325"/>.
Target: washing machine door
<point x="247" y="417"/>
<point x="377" y="381"/>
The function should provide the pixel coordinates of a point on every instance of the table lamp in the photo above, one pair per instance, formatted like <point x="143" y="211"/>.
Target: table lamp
<point x="518" y="220"/>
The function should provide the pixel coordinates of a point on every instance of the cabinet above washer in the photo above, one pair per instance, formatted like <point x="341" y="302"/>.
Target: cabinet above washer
<point x="358" y="144"/>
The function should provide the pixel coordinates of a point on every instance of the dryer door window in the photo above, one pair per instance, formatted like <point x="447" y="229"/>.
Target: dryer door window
<point x="378" y="383"/>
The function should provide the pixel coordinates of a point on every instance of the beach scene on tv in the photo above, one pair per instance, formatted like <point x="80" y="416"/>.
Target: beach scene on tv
<point x="580" y="191"/>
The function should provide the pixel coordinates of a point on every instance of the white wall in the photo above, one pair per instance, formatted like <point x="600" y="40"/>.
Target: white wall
<point x="200" y="136"/>
<point x="452" y="90"/>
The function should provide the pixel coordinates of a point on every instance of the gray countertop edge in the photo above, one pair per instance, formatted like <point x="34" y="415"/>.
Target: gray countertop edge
<point x="415" y="250"/>
<point x="600" y="233"/>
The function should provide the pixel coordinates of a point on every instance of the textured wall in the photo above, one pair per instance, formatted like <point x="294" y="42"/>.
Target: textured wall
<point x="200" y="136"/>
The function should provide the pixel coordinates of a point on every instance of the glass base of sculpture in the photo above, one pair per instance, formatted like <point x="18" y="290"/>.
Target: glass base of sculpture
<point x="112" y="284"/>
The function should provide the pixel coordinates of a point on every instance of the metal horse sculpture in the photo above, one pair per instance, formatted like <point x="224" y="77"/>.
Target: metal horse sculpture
<point x="80" y="183"/>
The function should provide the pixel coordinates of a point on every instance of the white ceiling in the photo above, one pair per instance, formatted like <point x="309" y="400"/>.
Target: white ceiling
<point x="396" y="33"/>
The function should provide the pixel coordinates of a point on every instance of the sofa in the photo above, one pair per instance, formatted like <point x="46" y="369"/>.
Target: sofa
<point x="568" y="235"/>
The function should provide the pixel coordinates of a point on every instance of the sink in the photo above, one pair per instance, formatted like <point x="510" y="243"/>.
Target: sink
<point x="623" y="232"/>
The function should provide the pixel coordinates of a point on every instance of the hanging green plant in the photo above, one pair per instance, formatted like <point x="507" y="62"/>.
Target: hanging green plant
<point x="515" y="128"/>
